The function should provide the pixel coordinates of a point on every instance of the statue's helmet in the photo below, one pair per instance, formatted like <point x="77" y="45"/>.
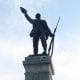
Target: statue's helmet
<point x="38" y="16"/>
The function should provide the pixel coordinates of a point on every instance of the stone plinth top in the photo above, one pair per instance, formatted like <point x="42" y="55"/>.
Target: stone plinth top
<point x="37" y="59"/>
<point x="38" y="63"/>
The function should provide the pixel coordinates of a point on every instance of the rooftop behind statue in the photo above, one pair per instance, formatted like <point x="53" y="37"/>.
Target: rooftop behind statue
<point x="40" y="31"/>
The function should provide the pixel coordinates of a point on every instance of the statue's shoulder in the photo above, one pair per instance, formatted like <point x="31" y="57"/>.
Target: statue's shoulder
<point x="34" y="20"/>
<point x="43" y="20"/>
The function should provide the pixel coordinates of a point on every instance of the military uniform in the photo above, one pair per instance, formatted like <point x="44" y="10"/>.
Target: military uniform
<point x="40" y="30"/>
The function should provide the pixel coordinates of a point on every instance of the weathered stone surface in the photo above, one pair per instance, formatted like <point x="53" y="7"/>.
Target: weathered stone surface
<point x="38" y="68"/>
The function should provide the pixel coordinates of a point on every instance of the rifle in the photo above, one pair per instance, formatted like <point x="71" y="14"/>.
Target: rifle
<point x="52" y="41"/>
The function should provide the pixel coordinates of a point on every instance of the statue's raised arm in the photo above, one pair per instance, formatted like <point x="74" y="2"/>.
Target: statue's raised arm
<point x="24" y="11"/>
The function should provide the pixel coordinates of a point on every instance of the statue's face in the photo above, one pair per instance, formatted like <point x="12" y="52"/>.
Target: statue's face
<point x="38" y="16"/>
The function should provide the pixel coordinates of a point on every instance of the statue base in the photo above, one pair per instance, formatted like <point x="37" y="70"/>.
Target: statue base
<point x="38" y="68"/>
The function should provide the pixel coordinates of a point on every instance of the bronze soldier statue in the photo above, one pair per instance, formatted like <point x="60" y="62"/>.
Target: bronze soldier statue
<point x="40" y="31"/>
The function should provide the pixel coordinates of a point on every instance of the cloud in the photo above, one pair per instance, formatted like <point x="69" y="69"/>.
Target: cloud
<point x="35" y="6"/>
<point x="15" y="49"/>
<point x="10" y="76"/>
<point x="37" y="3"/>
<point x="64" y="77"/>
<point x="15" y="45"/>
<point x="66" y="58"/>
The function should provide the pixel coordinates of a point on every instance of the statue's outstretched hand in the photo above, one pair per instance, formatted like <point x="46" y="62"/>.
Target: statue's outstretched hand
<point x="52" y="35"/>
<point x="23" y="10"/>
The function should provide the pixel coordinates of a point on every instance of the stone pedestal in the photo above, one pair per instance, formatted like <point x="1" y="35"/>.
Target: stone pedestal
<point x="38" y="68"/>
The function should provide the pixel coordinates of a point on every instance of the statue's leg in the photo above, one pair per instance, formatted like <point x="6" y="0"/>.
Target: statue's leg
<point x="44" y="44"/>
<point x="35" y="43"/>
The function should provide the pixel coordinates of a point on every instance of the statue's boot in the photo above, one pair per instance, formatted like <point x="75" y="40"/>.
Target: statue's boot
<point x="36" y="52"/>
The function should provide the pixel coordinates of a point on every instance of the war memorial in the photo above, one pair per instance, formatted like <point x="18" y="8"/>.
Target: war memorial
<point x="39" y="66"/>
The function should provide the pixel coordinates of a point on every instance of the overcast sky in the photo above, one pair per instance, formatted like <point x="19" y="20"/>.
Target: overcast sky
<point x="16" y="44"/>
